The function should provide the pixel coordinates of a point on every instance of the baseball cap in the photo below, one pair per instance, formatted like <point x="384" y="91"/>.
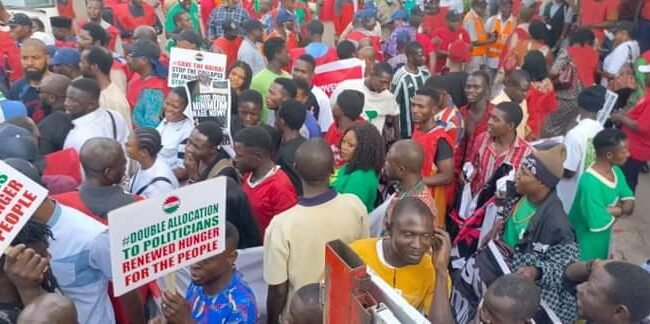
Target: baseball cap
<point x="189" y="36"/>
<point x="145" y="48"/>
<point x="66" y="56"/>
<point x="252" y="24"/>
<point x="229" y="26"/>
<point x="399" y="15"/>
<point x="16" y="142"/>
<point x="20" y="19"/>
<point x="284" y="16"/>
<point x="458" y="52"/>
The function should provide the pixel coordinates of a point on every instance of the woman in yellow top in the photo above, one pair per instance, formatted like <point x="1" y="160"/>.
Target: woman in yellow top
<point x="404" y="259"/>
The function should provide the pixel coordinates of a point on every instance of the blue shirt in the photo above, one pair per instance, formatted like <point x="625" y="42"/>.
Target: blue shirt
<point x="237" y="14"/>
<point x="233" y="304"/>
<point x="312" y="126"/>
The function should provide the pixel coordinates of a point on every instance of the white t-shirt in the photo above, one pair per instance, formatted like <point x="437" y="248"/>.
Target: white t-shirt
<point x="325" y="118"/>
<point x="618" y="57"/>
<point x="580" y="155"/>
<point x="97" y="124"/>
<point x="149" y="183"/>
<point x="380" y="104"/>
<point x="173" y="136"/>
<point x="81" y="263"/>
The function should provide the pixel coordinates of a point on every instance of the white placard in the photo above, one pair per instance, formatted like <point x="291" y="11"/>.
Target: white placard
<point x="19" y="199"/>
<point x="160" y="235"/>
<point x="610" y="100"/>
<point x="187" y="65"/>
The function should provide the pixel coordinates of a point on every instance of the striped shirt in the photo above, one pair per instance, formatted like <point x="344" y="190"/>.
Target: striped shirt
<point x="404" y="86"/>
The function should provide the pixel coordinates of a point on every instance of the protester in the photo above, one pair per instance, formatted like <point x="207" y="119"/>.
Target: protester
<point x="190" y="8"/>
<point x="217" y="293"/>
<point x="406" y="81"/>
<point x="579" y="143"/>
<point x="541" y="98"/>
<point x="404" y="167"/>
<point x="444" y="36"/>
<point x="447" y="116"/>
<point x="456" y="77"/>
<point x="52" y="92"/>
<point x="94" y="11"/>
<point x="617" y="64"/>
<point x="537" y="41"/>
<point x="318" y="103"/>
<point x="315" y="46"/>
<point x="21" y="27"/>
<point x="602" y="195"/>
<point x="502" y="25"/>
<point x="35" y="60"/>
<point x="204" y="157"/>
<point x="240" y="76"/>
<point x="584" y="56"/>
<point x="90" y="120"/>
<point x="634" y="124"/>
<point x="322" y="215"/>
<point x="54" y="129"/>
<point x="438" y="147"/>
<point x="249" y="51"/>
<point x="306" y="306"/>
<point x="362" y="149"/>
<point x="515" y="89"/>
<point x="404" y="253"/>
<point x="249" y="111"/>
<point x="148" y="86"/>
<point x="284" y="28"/>
<point x="509" y="299"/>
<point x="62" y="32"/>
<point x="229" y="9"/>
<point x="346" y="111"/>
<point x="346" y="49"/>
<point x="186" y="39"/>
<point x="559" y="122"/>
<point x="475" y="115"/>
<point x="153" y="177"/>
<point x="290" y="118"/>
<point x="92" y="34"/>
<point x="228" y="43"/>
<point x="281" y="90"/>
<point x="268" y="188"/>
<point x="96" y="63"/>
<point x="277" y="57"/>
<point x="66" y="61"/>
<point x="474" y="24"/>
<point x="133" y="13"/>
<point x="174" y="129"/>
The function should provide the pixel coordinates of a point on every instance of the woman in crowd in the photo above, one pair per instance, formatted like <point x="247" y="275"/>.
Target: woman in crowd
<point x="240" y="76"/>
<point x="363" y="150"/>
<point x="541" y="98"/>
<point x="153" y="177"/>
<point x="174" y="130"/>
<point x="537" y="41"/>
<point x="617" y="73"/>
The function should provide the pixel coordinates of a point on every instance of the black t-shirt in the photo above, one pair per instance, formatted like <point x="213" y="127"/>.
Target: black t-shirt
<point x="444" y="150"/>
<point x="23" y="91"/>
<point x="456" y="87"/>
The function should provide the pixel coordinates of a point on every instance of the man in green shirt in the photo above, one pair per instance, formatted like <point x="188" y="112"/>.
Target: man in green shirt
<point x="603" y="195"/>
<point x="277" y="56"/>
<point x="188" y="6"/>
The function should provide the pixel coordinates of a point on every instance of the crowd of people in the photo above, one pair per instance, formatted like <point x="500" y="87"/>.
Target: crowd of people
<point x="514" y="128"/>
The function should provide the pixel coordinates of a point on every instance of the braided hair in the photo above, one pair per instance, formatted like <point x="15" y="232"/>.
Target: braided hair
<point x="370" y="151"/>
<point x="36" y="232"/>
<point x="149" y="140"/>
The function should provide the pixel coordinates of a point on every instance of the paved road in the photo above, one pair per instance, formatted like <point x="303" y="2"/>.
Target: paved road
<point x="632" y="234"/>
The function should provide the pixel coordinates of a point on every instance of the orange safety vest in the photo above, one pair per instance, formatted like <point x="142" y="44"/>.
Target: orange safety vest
<point x="494" y="50"/>
<point x="481" y="35"/>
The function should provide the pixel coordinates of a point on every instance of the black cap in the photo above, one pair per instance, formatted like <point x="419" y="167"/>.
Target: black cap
<point x="252" y="24"/>
<point x="61" y="22"/>
<point x="625" y="25"/>
<point x="189" y="36"/>
<point x="592" y="99"/>
<point x="144" y="48"/>
<point x="20" y="19"/>
<point x="229" y="26"/>
<point x="16" y="142"/>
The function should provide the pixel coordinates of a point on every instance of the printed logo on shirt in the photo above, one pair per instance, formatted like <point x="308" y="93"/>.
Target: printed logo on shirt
<point x="171" y="204"/>
<point x="539" y="247"/>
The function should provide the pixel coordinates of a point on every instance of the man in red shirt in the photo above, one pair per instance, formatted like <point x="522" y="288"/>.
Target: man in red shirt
<point x="268" y="188"/>
<point x="636" y="125"/>
<point x="475" y="114"/>
<point x="598" y="15"/>
<point x="62" y="31"/>
<point x="229" y="43"/>
<point x="94" y="9"/>
<point x="285" y="24"/>
<point x="128" y="16"/>
<point x="444" y="36"/>
<point x="434" y="17"/>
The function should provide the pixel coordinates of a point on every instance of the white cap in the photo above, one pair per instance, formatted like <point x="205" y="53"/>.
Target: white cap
<point x="43" y="37"/>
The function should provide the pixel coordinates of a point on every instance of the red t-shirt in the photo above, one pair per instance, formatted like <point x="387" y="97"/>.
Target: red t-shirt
<point x="586" y="61"/>
<point x="229" y="48"/>
<point x="270" y="196"/>
<point x="11" y="62"/>
<point x="640" y="140"/>
<point x="645" y="12"/>
<point x="596" y="12"/>
<point x="447" y="37"/>
<point x="432" y="22"/>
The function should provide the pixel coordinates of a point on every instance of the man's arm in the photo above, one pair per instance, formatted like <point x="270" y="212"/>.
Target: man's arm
<point x="440" y="310"/>
<point x="275" y="301"/>
<point x="445" y="162"/>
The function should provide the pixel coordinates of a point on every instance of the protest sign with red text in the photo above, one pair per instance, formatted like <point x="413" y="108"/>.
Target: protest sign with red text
<point x="187" y="65"/>
<point x="328" y="76"/>
<point x="162" y="234"/>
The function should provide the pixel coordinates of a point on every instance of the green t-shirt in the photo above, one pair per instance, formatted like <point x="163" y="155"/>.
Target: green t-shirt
<point x="589" y="216"/>
<point x="261" y="83"/>
<point x="362" y="183"/>
<point x="518" y="222"/>
<point x="193" y="12"/>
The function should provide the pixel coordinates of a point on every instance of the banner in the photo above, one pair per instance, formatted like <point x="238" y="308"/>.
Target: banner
<point x="210" y="100"/>
<point x="160" y="235"/>
<point x="328" y="76"/>
<point x="186" y="65"/>
<point x="19" y="199"/>
<point x="610" y="100"/>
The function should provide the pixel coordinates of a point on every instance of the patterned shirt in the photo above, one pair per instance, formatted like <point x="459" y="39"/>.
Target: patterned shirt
<point x="237" y="14"/>
<point x="419" y="191"/>
<point x="235" y="304"/>
<point x="404" y="86"/>
<point x="487" y="160"/>
<point x="452" y="120"/>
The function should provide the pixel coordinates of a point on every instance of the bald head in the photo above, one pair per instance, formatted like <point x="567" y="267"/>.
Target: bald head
<point x="98" y="156"/>
<point x="145" y="32"/>
<point x="306" y="306"/>
<point x="49" y="309"/>
<point x="55" y="85"/>
<point x="314" y="161"/>
<point x="408" y="154"/>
